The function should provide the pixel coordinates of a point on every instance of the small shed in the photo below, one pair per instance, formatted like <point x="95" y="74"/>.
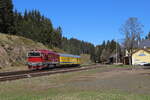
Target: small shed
<point x="115" y="58"/>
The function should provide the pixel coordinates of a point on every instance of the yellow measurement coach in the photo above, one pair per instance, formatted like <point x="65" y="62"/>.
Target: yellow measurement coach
<point x="68" y="59"/>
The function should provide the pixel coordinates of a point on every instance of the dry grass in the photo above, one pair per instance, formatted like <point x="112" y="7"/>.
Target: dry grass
<point x="85" y="85"/>
<point x="13" y="50"/>
<point x="14" y="68"/>
<point x="85" y="59"/>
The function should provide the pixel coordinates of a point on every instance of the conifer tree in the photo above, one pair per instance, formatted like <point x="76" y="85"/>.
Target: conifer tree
<point x="6" y="16"/>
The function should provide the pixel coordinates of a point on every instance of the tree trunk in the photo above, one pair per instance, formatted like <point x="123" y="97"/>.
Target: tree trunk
<point x="130" y="60"/>
<point x="130" y="57"/>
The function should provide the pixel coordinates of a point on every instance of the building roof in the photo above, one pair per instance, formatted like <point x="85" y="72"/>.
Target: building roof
<point x="141" y="49"/>
<point x="144" y="44"/>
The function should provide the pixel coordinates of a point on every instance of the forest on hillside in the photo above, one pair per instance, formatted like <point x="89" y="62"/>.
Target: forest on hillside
<point x="33" y="25"/>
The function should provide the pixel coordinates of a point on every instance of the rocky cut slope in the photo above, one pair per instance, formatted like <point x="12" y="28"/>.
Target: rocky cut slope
<point x="13" y="49"/>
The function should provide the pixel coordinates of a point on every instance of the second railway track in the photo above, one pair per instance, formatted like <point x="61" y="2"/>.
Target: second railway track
<point x="9" y="76"/>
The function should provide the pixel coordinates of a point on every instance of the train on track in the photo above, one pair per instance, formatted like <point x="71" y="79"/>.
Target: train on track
<point x="40" y="59"/>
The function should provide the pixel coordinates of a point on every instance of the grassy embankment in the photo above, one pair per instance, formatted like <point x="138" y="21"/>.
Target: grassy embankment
<point x="13" y="50"/>
<point x="70" y="86"/>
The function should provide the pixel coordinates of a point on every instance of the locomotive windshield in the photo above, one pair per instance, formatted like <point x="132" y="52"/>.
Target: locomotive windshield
<point x="34" y="54"/>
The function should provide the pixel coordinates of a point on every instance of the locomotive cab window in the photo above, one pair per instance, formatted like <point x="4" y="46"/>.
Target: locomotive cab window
<point x="34" y="54"/>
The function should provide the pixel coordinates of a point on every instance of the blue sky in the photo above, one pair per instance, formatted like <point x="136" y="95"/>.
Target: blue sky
<point x="90" y="20"/>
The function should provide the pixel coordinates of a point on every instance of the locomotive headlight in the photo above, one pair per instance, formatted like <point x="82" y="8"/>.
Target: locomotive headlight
<point x="35" y="64"/>
<point x="40" y="64"/>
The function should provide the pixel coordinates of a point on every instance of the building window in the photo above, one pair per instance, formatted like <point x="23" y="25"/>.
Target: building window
<point x="142" y="54"/>
<point x="136" y="60"/>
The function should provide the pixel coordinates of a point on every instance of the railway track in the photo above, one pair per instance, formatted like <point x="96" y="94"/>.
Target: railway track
<point x="9" y="76"/>
<point x="35" y="71"/>
<point x="26" y="72"/>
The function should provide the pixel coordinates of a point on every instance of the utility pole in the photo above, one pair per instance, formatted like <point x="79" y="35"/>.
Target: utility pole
<point x="116" y="51"/>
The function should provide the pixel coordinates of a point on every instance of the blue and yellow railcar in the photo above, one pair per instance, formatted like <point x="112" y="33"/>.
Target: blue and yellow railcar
<point x="68" y="59"/>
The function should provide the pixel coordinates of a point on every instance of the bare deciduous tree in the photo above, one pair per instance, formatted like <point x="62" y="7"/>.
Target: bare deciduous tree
<point x="132" y="30"/>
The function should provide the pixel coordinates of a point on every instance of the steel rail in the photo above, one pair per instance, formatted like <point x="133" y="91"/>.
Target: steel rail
<point x="56" y="71"/>
<point x="42" y="73"/>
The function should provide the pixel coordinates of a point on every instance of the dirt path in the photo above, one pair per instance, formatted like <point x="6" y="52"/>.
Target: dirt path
<point x="134" y="81"/>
